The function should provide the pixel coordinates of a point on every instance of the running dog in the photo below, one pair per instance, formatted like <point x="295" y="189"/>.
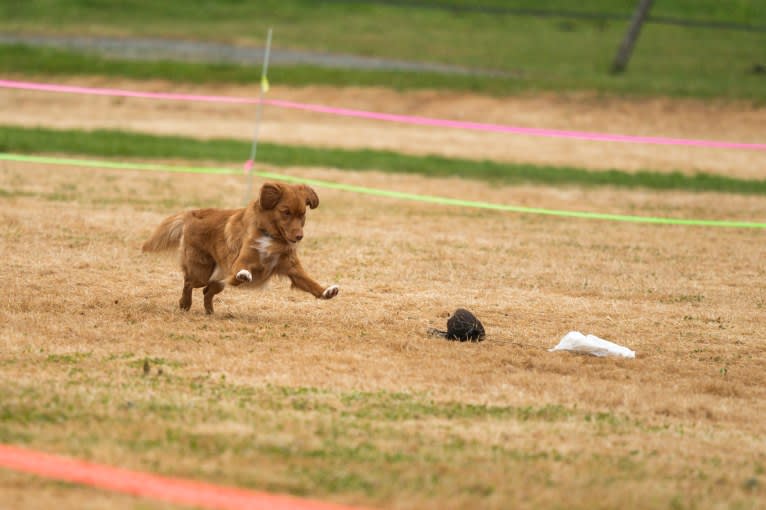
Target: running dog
<point x="220" y="247"/>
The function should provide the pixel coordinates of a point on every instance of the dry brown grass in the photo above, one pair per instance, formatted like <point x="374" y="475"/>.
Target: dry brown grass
<point x="645" y="117"/>
<point x="349" y="399"/>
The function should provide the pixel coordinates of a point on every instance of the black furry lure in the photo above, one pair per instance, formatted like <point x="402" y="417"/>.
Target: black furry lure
<point x="462" y="326"/>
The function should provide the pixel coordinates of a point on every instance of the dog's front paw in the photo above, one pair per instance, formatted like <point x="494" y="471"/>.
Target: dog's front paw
<point x="244" y="276"/>
<point x="330" y="292"/>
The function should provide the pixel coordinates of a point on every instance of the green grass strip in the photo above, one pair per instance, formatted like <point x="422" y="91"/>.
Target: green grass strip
<point x="120" y="144"/>
<point x="431" y="199"/>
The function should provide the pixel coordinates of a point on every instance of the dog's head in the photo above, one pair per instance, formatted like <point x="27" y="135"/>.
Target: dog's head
<point x="283" y="206"/>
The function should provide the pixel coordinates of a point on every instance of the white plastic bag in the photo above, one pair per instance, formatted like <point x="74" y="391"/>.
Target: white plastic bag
<point x="574" y="341"/>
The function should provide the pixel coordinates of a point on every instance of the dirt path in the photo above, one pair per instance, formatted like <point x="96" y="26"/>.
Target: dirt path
<point x="648" y="117"/>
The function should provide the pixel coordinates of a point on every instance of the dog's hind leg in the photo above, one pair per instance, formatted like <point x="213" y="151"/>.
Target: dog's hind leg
<point x="186" y="295"/>
<point x="197" y="270"/>
<point x="213" y="288"/>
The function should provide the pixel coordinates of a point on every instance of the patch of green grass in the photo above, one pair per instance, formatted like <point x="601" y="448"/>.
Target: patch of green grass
<point x="28" y="406"/>
<point x="543" y="53"/>
<point x="4" y="193"/>
<point x="147" y="15"/>
<point x="686" y="298"/>
<point x="748" y="12"/>
<point x="153" y="361"/>
<point x="118" y="144"/>
<point x="184" y="337"/>
<point x="70" y="358"/>
<point x="399" y="407"/>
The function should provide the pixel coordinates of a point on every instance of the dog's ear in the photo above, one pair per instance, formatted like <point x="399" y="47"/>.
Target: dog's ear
<point x="270" y="195"/>
<point x="312" y="200"/>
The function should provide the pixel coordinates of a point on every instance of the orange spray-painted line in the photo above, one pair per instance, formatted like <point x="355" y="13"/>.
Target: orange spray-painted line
<point x="135" y="483"/>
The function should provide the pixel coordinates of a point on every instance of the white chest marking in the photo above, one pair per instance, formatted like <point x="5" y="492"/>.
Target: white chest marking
<point x="268" y="260"/>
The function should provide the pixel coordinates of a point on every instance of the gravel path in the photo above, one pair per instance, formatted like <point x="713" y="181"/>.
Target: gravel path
<point x="199" y="51"/>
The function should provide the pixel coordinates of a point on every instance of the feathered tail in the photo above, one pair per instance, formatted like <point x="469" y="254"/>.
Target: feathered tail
<point x="167" y="235"/>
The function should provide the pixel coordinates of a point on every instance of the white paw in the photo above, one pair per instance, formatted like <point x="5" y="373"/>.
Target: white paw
<point x="330" y="292"/>
<point x="244" y="276"/>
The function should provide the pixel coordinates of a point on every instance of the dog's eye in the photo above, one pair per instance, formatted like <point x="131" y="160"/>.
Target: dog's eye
<point x="286" y="213"/>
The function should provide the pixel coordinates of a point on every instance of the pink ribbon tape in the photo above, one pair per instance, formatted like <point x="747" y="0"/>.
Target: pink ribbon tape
<point x="387" y="117"/>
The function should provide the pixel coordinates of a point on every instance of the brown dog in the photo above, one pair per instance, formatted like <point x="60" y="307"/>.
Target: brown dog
<point x="220" y="247"/>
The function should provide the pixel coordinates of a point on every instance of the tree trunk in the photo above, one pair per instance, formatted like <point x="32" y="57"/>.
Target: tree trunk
<point x="626" y="48"/>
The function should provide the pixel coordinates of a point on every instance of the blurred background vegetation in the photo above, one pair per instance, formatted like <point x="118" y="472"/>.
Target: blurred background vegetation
<point x="687" y="48"/>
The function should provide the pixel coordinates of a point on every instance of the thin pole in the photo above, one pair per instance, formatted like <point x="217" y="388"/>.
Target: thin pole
<point x="258" y="112"/>
<point x="626" y="48"/>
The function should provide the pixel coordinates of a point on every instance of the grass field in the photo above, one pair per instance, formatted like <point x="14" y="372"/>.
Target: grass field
<point x="541" y="54"/>
<point x="349" y="400"/>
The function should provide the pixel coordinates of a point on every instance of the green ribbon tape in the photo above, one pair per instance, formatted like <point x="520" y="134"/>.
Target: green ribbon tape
<point x="151" y="167"/>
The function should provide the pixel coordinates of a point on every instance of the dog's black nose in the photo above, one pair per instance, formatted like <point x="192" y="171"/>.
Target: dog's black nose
<point x="299" y="237"/>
